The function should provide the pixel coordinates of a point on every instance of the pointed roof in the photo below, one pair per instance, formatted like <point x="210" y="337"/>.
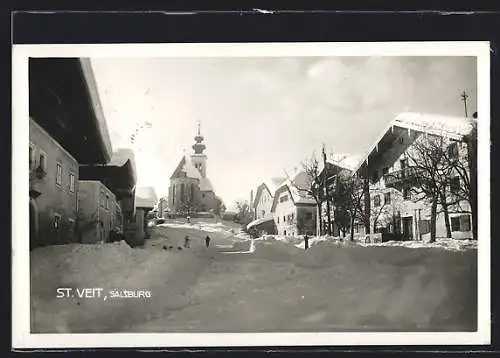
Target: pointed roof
<point x="299" y="180"/>
<point x="452" y="127"/>
<point x="186" y="166"/>
<point x="271" y="185"/>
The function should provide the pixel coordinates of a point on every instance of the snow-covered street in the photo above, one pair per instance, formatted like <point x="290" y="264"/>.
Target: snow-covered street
<point x="263" y="285"/>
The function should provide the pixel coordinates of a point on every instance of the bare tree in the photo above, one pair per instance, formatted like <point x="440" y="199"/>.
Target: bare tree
<point x="313" y="184"/>
<point x="430" y="171"/>
<point x="244" y="213"/>
<point x="347" y="197"/>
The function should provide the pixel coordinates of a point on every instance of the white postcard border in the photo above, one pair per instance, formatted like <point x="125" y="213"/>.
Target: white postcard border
<point x="21" y="336"/>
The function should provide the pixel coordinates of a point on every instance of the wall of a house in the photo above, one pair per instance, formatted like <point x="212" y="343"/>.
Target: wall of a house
<point x="97" y="207"/>
<point x="55" y="199"/>
<point x="263" y="207"/>
<point x="412" y="208"/>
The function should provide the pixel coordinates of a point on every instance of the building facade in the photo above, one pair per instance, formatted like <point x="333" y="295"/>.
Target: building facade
<point x="54" y="181"/>
<point x="264" y="195"/>
<point x="294" y="213"/>
<point x="98" y="212"/>
<point x="392" y="167"/>
<point x="66" y="129"/>
<point x="190" y="189"/>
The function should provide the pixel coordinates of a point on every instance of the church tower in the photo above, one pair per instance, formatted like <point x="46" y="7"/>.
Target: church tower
<point x="198" y="158"/>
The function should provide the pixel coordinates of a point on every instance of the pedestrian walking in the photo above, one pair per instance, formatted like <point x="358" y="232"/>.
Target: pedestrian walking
<point x="306" y="242"/>
<point x="186" y="242"/>
<point x="207" y="241"/>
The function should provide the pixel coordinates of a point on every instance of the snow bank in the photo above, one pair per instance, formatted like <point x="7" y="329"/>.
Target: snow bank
<point x="447" y="244"/>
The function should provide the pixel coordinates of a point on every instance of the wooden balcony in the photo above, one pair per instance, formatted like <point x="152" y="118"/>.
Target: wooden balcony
<point x="400" y="177"/>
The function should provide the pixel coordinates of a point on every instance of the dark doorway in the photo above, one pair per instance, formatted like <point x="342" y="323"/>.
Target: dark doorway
<point x="407" y="227"/>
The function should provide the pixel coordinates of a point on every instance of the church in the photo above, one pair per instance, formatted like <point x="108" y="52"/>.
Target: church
<point x="190" y="190"/>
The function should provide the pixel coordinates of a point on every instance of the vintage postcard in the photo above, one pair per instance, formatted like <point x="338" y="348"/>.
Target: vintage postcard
<point x="274" y="194"/>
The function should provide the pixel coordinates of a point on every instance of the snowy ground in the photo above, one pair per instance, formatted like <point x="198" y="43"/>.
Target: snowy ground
<point x="266" y="284"/>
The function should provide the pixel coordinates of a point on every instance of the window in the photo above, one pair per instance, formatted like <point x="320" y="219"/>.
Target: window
<point x="284" y="232"/>
<point x="57" y="221"/>
<point x="309" y="216"/>
<point x="59" y="174"/>
<point x="453" y="150"/>
<point x="292" y="216"/>
<point x="375" y="176"/>
<point x="403" y="163"/>
<point x="284" y="219"/>
<point x="71" y="224"/>
<point x="387" y="198"/>
<point x="32" y="155"/>
<point x="376" y="200"/>
<point x="107" y="201"/>
<point x="263" y="213"/>
<point x="102" y="199"/>
<point x="406" y="193"/>
<point x="455" y="184"/>
<point x="283" y="198"/>
<point x="203" y="195"/>
<point x="460" y="223"/>
<point x="401" y="140"/>
<point x="278" y="219"/>
<point x="385" y="170"/>
<point x="71" y="182"/>
<point x="356" y="228"/>
<point x="425" y="226"/>
<point x="465" y="223"/>
<point x="43" y="161"/>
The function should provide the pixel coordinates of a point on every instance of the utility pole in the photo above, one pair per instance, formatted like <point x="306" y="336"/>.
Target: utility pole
<point x="325" y="184"/>
<point x="464" y="97"/>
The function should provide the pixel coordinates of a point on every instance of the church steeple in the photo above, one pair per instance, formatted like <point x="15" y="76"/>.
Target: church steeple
<point x="199" y="147"/>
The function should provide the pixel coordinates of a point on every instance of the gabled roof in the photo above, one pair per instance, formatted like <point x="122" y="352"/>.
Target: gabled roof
<point x="449" y="126"/>
<point x="145" y="197"/>
<point x="292" y="185"/>
<point x="270" y="185"/>
<point x="186" y="166"/>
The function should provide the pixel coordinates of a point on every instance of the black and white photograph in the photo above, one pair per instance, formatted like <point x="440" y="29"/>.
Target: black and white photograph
<point x="274" y="190"/>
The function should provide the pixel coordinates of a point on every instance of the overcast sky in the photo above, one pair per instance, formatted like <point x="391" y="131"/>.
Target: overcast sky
<point x="260" y="116"/>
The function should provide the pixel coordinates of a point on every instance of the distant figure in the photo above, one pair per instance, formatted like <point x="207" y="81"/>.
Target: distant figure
<point x="188" y="220"/>
<point x="186" y="242"/>
<point x="207" y="241"/>
<point x="306" y="242"/>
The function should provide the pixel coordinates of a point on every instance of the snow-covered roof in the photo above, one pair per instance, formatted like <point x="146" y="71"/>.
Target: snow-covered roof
<point x="186" y="166"/>
<point x="271" y="184"/>
<point x="145" y="197"/>
<point x="449" y="126"/>
<point x="298" y="180"/>
<point x="435" y="123"/>
<point x="260" y="221"/>
<point x="345" y="161"/>
<point x="121" y="156"/>
<point x="206" y="185"/>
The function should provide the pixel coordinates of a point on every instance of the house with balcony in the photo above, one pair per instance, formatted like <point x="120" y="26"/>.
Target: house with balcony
<point x="393" y="176"/>
<point x="66" y="129"/>
<point x="294" y="212"/>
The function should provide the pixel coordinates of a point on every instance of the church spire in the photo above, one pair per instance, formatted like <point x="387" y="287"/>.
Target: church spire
<point x="199" y="147"/>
